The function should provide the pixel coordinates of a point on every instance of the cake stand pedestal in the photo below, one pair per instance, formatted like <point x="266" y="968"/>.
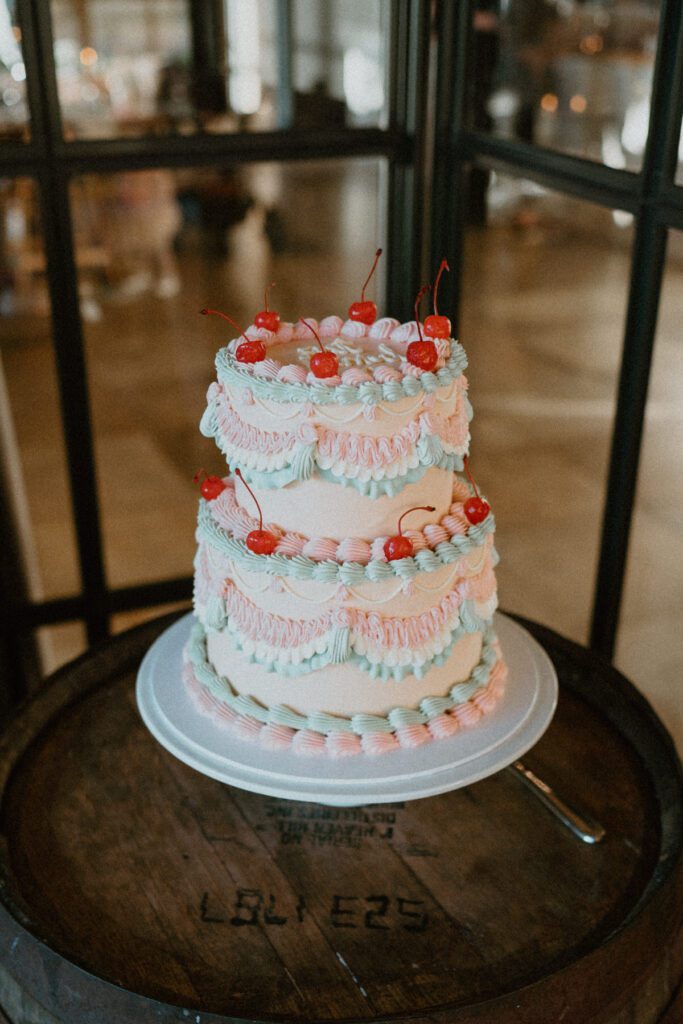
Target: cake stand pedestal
<point x="499" y="738"/>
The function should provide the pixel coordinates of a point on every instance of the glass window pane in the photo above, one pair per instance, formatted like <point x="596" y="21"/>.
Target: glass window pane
<point x="131" y="67"/>
<point x="545" y="290"/>
<point x="34" y="460"/>
<point x="170" y="244"/>
<point x="571" y="76"/>
<point x="14" y="114"/>
<point x="650" y="647"/>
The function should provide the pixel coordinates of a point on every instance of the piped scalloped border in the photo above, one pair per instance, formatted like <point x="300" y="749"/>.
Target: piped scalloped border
<point x="367" y="393"/>
<point x="303" y="568"/>
<point x="428" y="709"/>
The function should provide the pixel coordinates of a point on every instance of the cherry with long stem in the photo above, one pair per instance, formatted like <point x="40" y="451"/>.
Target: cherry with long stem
<point x="251" y="350"/>
<point x="261" y="542"/>
<point x="400" y="546"/>
<point x="438" y="326"/>
<point x="267" y="318"/>
<point x="324" y="363"/>
<point x="210" y="486"/>
<point x="422" y="353"/>
<point x="475" y="509"/>
<point x="365" y="311"/>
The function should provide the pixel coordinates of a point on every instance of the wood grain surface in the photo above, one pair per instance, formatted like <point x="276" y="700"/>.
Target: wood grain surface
<point x="133" y="888"/>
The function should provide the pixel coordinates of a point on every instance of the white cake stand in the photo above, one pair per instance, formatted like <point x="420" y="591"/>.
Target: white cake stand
<point x="498" y="739"/>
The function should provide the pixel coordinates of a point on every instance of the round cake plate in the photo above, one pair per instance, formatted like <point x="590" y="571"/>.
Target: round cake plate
<point x="499" y="738"/>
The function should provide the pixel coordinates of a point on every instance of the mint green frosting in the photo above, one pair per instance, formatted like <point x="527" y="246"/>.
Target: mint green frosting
<point x="301" y="567"/>
<point x="368" y="393"/>
<point x="428" y="708"/>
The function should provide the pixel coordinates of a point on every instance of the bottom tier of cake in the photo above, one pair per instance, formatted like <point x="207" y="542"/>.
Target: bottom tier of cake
<point x="284" y="713"/>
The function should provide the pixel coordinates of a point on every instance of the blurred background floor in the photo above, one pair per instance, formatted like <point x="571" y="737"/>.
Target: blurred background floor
<point x="545" y="290"/>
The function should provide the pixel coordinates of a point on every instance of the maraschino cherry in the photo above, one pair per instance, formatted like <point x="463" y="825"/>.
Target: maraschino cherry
<point x="260" y="541"/>
<point x="324" y="363"/>
<point x="251" y="350"/>
<point x="210" y="486"/>
<point x="365" y="312"/>
<point x="400" y="546"/>
<point x="267" y="318"/>
<point x="422" y="353"/>
<point x="438" y="326"/>
<point x="475" y="509"/>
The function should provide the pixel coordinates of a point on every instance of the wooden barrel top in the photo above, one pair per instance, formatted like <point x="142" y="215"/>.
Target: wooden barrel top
<point x="134" y="889"/>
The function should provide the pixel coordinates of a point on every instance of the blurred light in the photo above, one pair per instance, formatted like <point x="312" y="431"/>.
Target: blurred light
<point x="66" y="52"/>
<point x="612" y="153"/>
<point x="89" y="92"/>
<point x="503" y="103"/>
<point x="88" y="56"/>
<point x="16" y="32"/>
<point x="18" y="71"/>
<point x="635" y="128"/>
<point x="9" y="51"/>
<point x="622" y="218"/>
<point x="362" y="79"/>
<point x="591" y="44"/>
<point x="578" y="103"/>
<point x="244" y="58"/>
<point x="10" y="96"/>
<point x="549" y="102"/>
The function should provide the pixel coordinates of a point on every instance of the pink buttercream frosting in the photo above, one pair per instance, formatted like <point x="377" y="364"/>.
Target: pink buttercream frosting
<point x="306" y="742"/>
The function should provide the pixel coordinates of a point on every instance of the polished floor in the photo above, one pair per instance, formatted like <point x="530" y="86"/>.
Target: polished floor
<point x="544" y="298"/>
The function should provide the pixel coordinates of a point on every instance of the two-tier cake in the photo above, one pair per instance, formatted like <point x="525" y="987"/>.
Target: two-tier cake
<point x="329" y="621"/>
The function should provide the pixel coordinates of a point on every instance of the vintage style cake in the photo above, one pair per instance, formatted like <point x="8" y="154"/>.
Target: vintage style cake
<point x="344" y="577"/>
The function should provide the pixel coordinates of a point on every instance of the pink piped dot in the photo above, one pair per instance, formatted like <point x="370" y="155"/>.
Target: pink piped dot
<point x="385" y="374"/>
<point x="443" y="726"/>
<point x="375" y="743"/>
<point x="413" y="735"/>
<point x="435" y="534"/>
<point x="342" y="744"/>
<point x="246" y="728"/>
<point x="456" y="525"/>
<point x="276" y="737"/>
<point x="467" y="714"/>
<point x="308" y="743"/>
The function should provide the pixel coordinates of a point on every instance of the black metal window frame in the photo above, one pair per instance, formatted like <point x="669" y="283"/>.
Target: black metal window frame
<point x="53" y="162"/>
<point x="650" y="195"/>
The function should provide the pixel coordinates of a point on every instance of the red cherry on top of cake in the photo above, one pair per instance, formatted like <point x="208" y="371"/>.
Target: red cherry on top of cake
<point x="267" y="318"/>
<point x="436" y="326"/>
<point x="422" y="353"/>
<point x="324" y="363"/>
<point x="210" y="486"/>
<point x="365" y="311"/>
<point x="260" y="541"/>
<point x="251" y="350"/>
<point x="475" y="509"/>
<point x="399" y="546"/>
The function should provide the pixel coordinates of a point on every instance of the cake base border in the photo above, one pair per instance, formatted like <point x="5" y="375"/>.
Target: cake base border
<point x="508" y="731"/>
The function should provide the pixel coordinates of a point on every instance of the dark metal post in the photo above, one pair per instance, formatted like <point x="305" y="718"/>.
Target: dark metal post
<point x="284" y="51"/>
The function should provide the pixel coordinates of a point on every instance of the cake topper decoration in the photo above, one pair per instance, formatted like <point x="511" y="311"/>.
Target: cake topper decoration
<point x="400" y="546"/>
<point x="324" y="363"/>
<point x="475" y="509"/>
<point x="365" y="311"/>
<point x="210" y="486"/>
<point x="267" y="318"/>
<point x="438" y="326"/>
<point x="260" y="541"/>
<point x="251" y="350"/>
<point x="422" y="353"/>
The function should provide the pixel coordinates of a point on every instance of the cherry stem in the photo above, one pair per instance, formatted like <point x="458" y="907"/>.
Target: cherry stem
<point x="196" y="477"/>
<point x="314" y="333"/>
<point x="417" y="508"/>
<point x="469" y="475"/>
<point x="442" y="266"/>
<point x="423" y="289"/>
<point x="265" y="295"/>
<point x="367" y="280"/>
<point x="217" y="312"/>
<point x="260" y="515"/>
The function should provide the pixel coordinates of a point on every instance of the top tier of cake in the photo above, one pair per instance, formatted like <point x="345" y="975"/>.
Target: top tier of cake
<point x="379" y="427"/>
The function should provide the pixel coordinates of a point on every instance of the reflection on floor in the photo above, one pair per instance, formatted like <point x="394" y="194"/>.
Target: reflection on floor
<point x="544" y="299"/>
